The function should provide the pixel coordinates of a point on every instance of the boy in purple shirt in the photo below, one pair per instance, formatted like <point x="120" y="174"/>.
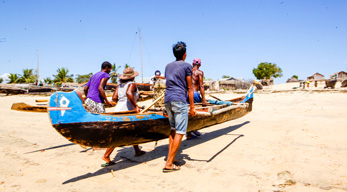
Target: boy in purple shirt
<point x="94" y="90"/>
<point x="178" y="76"/>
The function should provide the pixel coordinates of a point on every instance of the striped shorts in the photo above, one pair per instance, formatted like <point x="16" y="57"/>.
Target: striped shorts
<point x="94" y="107"/>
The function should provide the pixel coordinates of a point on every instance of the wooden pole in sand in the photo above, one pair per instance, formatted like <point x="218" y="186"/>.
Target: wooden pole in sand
<point x="152" y="103"/>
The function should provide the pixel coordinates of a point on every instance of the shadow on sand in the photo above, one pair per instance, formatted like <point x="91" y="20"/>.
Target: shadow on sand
<point x="50" y="148"/>
<point x="122" y="161"/>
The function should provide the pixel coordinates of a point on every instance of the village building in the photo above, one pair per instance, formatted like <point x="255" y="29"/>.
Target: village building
<point x="292" y="80"/>
<point x="232" y="83"/>
<point x="316" y="76"/>
<point x="340" y="76"/>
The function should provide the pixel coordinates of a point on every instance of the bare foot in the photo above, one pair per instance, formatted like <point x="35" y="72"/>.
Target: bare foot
<point x="107" y="159"/>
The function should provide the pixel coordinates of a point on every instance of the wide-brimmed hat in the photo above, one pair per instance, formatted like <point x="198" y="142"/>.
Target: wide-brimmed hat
<point x="197" y="61"/>
<point x="128" y="73"/>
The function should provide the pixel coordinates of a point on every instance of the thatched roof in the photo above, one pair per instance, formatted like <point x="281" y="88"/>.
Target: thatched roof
<point x="293" y="79"/>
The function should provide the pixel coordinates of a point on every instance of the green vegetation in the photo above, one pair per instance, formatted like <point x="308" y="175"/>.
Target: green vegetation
<point x="48" y="80"/>
<point x="13" y="78"/>
<point x="83" y="78"/>
<point x="295" y="76"/>
<point x="114" y="74"/>
<point x="1" y="80"/>
<point x="27" y="76"/>
<point x="225" y="76"/>
<point x="267" y="70"/>
<point x="62" y="76"/>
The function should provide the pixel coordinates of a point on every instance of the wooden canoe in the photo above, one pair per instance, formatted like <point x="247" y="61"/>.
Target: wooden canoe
<point x="330" y="83"/>
<point x="28" y="108"/>
<point x="72" y="121"/>
<point x="143" y="86"/>
<point x="12" y="91"/>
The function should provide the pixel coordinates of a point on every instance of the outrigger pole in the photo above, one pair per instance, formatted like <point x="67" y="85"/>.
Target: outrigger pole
<point x="141" y="56"/>
<point x="37" y="71"/>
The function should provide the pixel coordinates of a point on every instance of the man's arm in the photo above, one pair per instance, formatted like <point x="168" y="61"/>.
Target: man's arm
<point x="102" y="91"/>
<point x="131" y="89"/>
<point x="115" y="95"/>
<point x="86" y="89"/>
<point x="202" y="88"/>
<point x="192" y="111"/>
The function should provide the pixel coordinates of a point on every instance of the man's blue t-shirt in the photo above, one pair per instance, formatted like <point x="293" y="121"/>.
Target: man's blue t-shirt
<point x="176" y="83"/>
<point x="93" y="84"/>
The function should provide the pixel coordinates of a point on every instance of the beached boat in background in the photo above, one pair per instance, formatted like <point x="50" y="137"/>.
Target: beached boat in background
<point x="330" y="83"/>
<point x="68" y="116"/>
<point x="28" y="108"/>
<point x="143" y="86"/>
<point x="12" y="91"/>
<point x="39" y="89"/>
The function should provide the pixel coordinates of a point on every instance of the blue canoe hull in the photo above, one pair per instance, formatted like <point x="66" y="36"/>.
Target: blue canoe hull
<point x="72" y="121"/>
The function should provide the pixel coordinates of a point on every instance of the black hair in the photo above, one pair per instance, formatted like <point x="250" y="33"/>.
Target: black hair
<point x="106" y="64"/>
<point x="179" y="49"/>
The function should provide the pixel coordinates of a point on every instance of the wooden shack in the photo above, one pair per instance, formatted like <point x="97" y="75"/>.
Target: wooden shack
<point x="316" y="76"/>
<point x="339" y="76"/>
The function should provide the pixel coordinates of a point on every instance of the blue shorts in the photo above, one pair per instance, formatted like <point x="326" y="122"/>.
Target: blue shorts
<point x="197" y="97"/>
<point x="177" y="112"/>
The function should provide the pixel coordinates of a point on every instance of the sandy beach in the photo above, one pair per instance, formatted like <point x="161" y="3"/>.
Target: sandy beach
<point x="291" y="141"/>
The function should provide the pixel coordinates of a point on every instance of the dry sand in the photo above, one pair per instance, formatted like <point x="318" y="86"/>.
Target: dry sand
<point x="291" y="141"/>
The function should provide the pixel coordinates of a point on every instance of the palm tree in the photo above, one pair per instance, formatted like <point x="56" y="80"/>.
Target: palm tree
<point x="48" y="80"/>
<point x="62" y="76"/>
<point x="114" y="74"/>
<point x="13" y="78"/>
<point x="27" y="76"/>
<point x="126" y="66"/>
<point x="1" y="80"/>
<point x="83" y="78"/>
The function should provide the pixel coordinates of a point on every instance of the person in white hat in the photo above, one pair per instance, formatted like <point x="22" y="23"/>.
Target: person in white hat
<point x="126" y="95"/>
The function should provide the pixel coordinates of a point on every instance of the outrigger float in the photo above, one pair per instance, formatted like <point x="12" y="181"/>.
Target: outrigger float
<point x="116" y="129"/>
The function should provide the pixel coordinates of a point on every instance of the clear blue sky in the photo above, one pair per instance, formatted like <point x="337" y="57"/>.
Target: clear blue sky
<point x="231" y="37"/>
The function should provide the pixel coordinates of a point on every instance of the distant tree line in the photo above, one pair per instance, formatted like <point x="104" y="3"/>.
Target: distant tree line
<point x="62" y="76"/>
<point x="264" y="70"/>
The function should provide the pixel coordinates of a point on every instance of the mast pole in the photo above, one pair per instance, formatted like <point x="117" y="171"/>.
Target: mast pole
<point x="37" y="71"/>
<point x="141" y="56"/>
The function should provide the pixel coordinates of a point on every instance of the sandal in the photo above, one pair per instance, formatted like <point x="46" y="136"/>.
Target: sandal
<point x="174" y="168"/>
<point x="108" y="164"/>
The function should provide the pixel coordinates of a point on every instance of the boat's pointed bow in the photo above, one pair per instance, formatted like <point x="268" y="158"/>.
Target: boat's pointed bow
<point x="63" y="106"/>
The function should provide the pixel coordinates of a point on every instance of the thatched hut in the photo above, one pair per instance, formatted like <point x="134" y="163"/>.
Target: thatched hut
<point x="233" y="83"/>
<point x="292" y="80"/>
<point x="267" y="82"/>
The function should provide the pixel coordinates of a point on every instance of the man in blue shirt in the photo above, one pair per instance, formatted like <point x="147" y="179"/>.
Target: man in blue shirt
<point x="178" y="76"/>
